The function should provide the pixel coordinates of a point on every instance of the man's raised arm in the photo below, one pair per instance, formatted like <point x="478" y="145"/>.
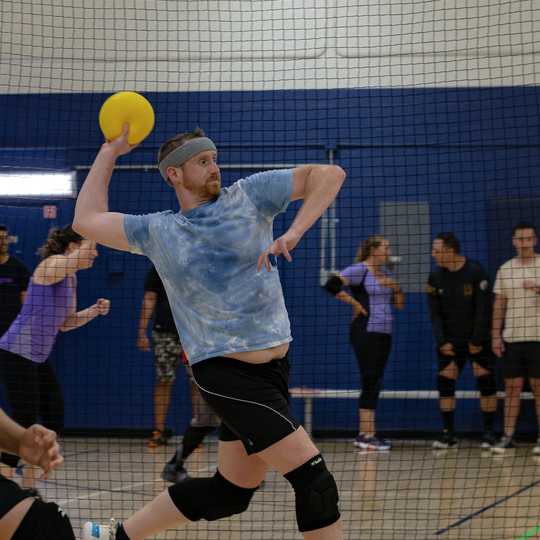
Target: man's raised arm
<point x="318" y="186"/>
<point x="92" y="217"/>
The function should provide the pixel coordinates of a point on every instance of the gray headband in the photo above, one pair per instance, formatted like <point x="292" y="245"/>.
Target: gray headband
<point x="181" y="154"/>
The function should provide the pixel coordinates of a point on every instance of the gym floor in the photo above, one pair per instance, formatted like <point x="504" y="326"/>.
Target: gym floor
<point x="409" y="493"/>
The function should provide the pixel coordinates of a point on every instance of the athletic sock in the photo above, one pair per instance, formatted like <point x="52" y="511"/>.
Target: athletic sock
<point x="120" y="533"/>
<point x="448" y="421"/>
<point x="489" y="420"/>
<point x="193" y="436"/>
<point x="175" y="459"/>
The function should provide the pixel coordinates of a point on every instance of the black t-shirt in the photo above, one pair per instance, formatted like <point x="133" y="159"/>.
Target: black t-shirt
<point x="14" y="278"/>
<point x="460" y="304"/>
<point x="163" y="319"/>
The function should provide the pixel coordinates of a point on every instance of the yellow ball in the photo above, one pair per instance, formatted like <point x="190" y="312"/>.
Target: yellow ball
<point x="126" y="108"/>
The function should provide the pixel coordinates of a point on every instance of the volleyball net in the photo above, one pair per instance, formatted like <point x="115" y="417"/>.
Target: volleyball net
<point x="431" y="109"/>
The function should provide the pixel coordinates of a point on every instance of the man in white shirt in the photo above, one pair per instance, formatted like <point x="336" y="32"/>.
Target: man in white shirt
<point x="516" y="328"/>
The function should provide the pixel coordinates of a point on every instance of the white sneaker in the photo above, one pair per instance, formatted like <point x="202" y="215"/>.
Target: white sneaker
<point x="505" y="443"/>
<point x="95" y="531"/>
<point x="536" y="449"/>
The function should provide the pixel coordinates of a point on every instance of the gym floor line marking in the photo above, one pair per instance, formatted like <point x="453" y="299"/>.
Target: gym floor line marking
<point x="128" y="487"/>
<point x="94" y="494"/>
<point x="55" y="483"/>
<point x="531" y="533"/>
<point x="485" y="508"/>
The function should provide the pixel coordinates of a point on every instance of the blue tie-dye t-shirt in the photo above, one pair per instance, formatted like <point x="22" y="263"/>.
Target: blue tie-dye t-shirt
<point x="207" y="260"/>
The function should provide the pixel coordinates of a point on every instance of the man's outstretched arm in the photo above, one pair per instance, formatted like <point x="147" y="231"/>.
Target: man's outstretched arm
<point x="92" y="217"/>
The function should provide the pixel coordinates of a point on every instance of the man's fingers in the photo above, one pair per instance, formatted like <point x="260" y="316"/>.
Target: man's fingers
<point x="43" y="437"/>
<point x="58" y="460"/>
<point x="54" y="451"/>
<point x="279" y="247"/>
<point x="49" y="440"/>
<point x="284" y="249"/>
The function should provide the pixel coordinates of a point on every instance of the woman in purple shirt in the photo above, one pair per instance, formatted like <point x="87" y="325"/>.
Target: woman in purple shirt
<point x="50" y="306"/>
<point x="373" y="295"/>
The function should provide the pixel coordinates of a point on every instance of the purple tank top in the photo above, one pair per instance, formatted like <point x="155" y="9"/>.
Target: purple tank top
<point x="380" y="298"/>
<point x="45" y="309"/>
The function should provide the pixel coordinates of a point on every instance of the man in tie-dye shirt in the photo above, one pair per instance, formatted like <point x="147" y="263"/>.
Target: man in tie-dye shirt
<point x="215" y="258"/>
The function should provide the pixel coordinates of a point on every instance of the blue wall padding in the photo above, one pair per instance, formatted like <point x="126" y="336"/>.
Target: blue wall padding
<point x="463" y="151"/>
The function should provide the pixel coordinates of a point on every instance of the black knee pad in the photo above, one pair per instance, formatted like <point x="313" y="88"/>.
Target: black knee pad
<point x="371" y="388"/>
<point x="446" y="386"/>
<point x="486" y="384"/>
<point x="210" y="498"/>
<point x="316" y="495"/>
<point x="46" y="521"/>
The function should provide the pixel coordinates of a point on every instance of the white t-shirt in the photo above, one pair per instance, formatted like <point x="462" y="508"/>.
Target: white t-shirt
<point x="522" y="319"/>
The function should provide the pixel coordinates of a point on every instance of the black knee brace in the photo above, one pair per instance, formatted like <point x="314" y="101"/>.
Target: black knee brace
<point x="446" y="386"/>
<point x="210" y="498"/>
<point x="333" y="285"/>
<point x="486" y="384"/>
<point x="316" y="495"/>
<point x="371" y="388"/>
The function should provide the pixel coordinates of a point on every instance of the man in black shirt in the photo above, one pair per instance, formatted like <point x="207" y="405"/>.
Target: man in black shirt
<point x="460" y="304"/>
<point x="168" y="352"/>
<point x="14" y="277"/>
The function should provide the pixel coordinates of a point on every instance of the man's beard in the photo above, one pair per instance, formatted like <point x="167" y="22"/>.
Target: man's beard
<point x="213" y="186"/>
<point x="209" y="190"/>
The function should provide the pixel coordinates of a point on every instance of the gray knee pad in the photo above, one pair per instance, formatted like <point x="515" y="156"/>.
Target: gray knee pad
<point x="486" y="385"/>
<point x="210" y="498"/>
<point x="446" y="386"/>
<point x="316" y="495"/>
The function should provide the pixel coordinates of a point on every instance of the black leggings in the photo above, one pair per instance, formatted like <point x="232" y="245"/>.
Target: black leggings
<point x="372" y="350"/>
<point x="34" y="394"/>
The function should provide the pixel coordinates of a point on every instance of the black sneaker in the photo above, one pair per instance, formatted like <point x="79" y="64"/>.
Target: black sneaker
<point x="174" y="473"/>
<point x="488" y="440"/>
<point x="504" y="444"/>
<point x="445" y="441"/>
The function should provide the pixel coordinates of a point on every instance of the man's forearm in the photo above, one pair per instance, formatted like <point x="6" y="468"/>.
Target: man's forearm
<point x="146" y="314"/>
<point x="94" y="195"/>
<point x="147" y="309"/>
<point x="10" y="434"/>
<point x="499" y="308"/>
<point x="322" y="186"/>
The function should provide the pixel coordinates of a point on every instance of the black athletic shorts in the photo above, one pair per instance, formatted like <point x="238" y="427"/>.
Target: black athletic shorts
<point x="10" y="495"/>
<point x="252" y="400"/>
<point x="43" y="521"/>
<point x="521" y="359"/>
<point x="485" y="358"/>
